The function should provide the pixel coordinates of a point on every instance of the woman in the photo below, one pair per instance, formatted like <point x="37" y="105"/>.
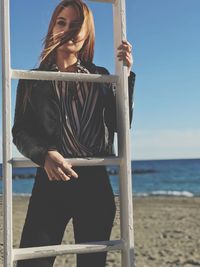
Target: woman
<point x="58" y="120"/>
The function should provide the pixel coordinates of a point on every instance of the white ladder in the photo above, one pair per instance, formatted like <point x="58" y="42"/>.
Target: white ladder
<point x="126" y="243"/>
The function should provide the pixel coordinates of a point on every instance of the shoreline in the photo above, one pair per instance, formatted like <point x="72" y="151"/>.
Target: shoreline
<point x="171" y="194"/>
<point x="166" y="231"/>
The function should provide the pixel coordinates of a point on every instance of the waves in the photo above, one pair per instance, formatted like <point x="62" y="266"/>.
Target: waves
<point x="110" y="171"/>
<point x="23" y="176"/>
<point x="166" y="194"/>
<point x="115" y="171"/>
<point x="21" y="194"/>
<point x="151" y="194"/>
<point x="176" y="178"/>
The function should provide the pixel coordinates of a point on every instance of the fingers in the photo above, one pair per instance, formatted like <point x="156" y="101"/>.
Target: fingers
<point x="58" y="168"/>
<point x="53" y="176"/>
<point x="126" y="46"/>
<point x="124" y="54"/>
<point x="126" y="57"/>
<point x="67" y="167"/>
<point x="64" y="172"/>
<point x="62" y="175"/>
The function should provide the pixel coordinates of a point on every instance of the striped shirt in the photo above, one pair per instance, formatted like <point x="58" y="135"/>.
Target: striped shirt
<point x="82" y="111"/>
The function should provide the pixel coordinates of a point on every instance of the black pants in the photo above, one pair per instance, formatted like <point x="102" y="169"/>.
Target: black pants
<point x="88" y="200"/>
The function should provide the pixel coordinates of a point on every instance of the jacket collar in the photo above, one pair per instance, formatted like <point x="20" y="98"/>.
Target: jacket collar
<point x="88" y="65"/>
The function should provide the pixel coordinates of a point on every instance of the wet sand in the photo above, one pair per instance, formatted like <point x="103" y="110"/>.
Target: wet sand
<point x="167" y="232"/>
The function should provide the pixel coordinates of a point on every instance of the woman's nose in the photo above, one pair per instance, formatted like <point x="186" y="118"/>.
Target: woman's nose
<point x="66" y="29"/>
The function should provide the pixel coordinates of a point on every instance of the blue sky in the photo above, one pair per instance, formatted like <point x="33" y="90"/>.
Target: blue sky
<point x="165" y="38"/>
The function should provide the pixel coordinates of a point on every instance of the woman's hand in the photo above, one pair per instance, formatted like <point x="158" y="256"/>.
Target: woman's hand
<point x="125" y="54"/>
<point x="57" y="168"/>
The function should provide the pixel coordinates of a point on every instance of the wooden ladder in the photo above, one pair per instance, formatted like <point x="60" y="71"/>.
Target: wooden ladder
<point x="126" y="242"/>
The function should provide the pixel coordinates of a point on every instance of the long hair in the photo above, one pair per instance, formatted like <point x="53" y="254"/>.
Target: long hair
<point x="86" y="53"/>
<point x="86" y="19"/>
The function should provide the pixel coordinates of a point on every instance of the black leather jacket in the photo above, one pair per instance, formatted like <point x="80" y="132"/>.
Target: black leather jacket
<point x="38" y="128"/>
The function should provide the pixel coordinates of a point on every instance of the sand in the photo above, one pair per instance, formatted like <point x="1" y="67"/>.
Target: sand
<point x="167" y="232"/>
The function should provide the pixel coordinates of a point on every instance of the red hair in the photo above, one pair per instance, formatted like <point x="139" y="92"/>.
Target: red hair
<point x="86" y="19"/>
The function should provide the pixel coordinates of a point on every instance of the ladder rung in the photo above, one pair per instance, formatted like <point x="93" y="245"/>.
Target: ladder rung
<point x="46" y="251"/>
<point x="24" y="162"/>
<point x="62" y="76"/>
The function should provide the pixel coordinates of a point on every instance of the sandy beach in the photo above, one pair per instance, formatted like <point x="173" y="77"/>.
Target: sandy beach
<point x="167" y="232"/>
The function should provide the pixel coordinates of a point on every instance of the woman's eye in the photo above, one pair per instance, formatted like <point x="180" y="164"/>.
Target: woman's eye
<point x="61" y="23"/>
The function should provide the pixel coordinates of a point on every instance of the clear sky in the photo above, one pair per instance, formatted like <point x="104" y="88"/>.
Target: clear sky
<point x="166" y="40"/>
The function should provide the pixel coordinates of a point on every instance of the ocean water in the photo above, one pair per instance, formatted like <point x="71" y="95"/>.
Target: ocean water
<point x="180" y="177"/>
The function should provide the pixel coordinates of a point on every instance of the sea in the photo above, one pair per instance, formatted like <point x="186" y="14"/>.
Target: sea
<point x="172" y="177"/>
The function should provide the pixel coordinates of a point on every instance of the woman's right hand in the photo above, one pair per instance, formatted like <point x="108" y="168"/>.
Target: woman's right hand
<point x="57" y="168"/>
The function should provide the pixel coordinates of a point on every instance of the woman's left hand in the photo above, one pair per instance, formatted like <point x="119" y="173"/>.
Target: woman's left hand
<point x="125" y="54"/>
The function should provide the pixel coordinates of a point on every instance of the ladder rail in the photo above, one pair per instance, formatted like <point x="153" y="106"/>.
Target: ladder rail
<point x="6" y="140"/>
<point x="123" y="129"/>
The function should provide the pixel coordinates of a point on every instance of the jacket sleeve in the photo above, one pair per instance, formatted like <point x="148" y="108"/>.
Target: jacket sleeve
<point x="25" y="137"/>
<point x="110" y="112"/>
<point x="131" y="84"/>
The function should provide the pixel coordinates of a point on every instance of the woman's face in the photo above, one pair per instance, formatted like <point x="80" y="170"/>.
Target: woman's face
<point x="67" y="21"/>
